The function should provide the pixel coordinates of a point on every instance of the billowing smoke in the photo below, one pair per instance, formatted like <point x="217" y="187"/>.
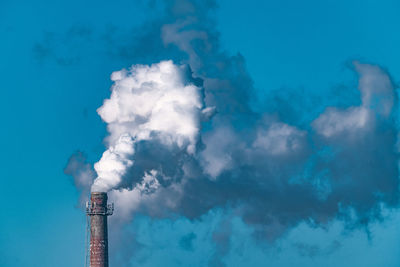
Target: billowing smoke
<point x="185" y="139"/>
<point x="159" y="103"/>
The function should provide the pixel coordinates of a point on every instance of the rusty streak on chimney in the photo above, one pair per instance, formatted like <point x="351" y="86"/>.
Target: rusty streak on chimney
<point x="98" y="210"/>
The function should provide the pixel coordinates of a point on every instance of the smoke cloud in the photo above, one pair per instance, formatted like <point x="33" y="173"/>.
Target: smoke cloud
<point x="158" y="103"/>
<point x="184" y="138"/>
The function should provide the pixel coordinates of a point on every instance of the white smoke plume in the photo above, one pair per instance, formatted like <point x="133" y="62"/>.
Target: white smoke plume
<point x="167" y="155"/>
<point x="157" y="102"/>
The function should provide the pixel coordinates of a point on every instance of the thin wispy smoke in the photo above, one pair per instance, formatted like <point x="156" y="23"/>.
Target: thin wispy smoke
<point x="83" y="174"/>
<point x="184" y="138"/>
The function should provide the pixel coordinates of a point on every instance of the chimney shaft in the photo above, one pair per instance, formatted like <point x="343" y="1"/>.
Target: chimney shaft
<point x="98" y="210"/>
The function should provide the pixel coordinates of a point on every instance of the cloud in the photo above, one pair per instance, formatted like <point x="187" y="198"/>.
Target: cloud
<point x="274" y="174"/>
<point x="216" y="157"/>
<point x="376" y="87"/>
<point x="377" y="99"/>
<point x="185" y="139"/>
<point x="279" y="138"/>
<point x="334" y="121"/>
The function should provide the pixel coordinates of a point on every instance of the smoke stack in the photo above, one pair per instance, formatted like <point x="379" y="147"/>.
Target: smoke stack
<point x="98" y="210"/>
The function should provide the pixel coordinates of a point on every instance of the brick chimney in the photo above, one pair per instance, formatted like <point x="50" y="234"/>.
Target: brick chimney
<point x="98" y="210"/>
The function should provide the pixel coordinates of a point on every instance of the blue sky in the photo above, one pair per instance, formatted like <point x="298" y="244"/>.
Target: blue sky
<point x="56" y="60"/>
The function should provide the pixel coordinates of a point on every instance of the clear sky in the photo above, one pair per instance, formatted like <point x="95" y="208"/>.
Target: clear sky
<point x="56" y="60"/>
